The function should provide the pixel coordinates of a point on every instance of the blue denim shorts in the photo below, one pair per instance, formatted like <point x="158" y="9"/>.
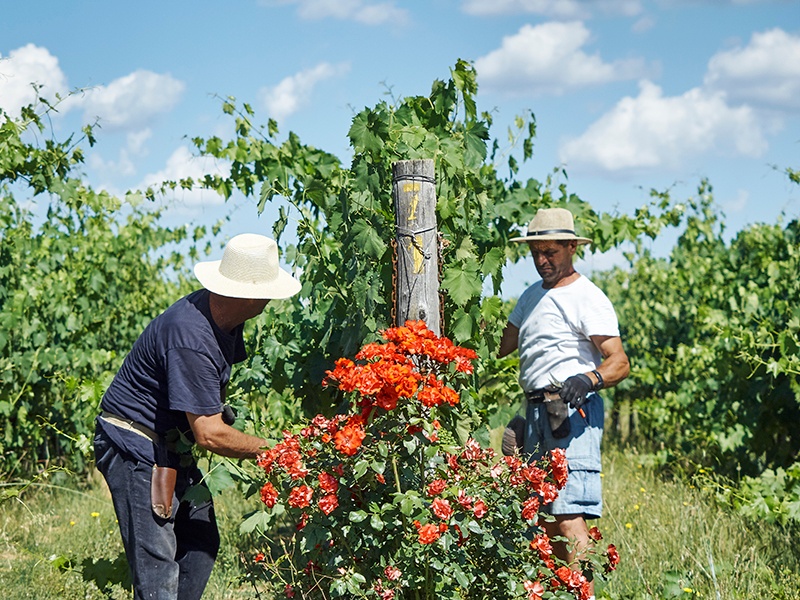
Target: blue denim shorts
<point x="582" y="494"/>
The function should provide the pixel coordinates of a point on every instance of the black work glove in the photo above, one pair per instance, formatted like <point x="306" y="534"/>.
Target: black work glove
<point x="575" y="389"/>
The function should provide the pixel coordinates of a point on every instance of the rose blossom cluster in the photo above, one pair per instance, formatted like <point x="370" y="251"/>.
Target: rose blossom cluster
<point x="537" y="485"/>
<point x="399" y="389"/>
<point x="405" y="366"/>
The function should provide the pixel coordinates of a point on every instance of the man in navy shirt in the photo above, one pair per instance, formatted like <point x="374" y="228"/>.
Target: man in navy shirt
<point x="171" y="389"/>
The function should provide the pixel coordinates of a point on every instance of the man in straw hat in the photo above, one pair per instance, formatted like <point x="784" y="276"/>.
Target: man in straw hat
<point x="171" y="387"/>
<point x="567" y="334"/>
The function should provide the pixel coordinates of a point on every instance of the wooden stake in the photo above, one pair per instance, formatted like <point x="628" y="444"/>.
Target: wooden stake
<point x="417" y="283"/>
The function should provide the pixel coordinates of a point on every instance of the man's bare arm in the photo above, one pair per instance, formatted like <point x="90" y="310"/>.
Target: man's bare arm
<point x="214" y="435"/>
<point x="615" y="366"/>
<point x="509" y="341"/>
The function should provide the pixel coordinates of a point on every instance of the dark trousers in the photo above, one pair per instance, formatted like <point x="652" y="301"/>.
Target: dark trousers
<point x="170" y="559"/>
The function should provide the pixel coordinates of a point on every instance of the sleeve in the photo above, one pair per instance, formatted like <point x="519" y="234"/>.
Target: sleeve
<point x="517" y="315"/>
<point x="193" y="382"/>
<point x="598" y="316"/>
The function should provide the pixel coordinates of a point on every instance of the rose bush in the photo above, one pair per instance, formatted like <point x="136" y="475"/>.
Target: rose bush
<point x="383" y="503"/>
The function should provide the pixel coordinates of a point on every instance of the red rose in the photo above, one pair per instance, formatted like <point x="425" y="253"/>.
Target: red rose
<point x="348" y="439"/>
<point x="428" y="534"/>
<point x="328" y="483"/>
<point x="436" y="487"/>
<point x="530" y="508"/>
<point x="441" y="508"/>
<point x="392" y="573"/>
<point x="328" y="504"/>
<point x="541" y="543"/>
<point x="300" y="497"/>
<point x="535" y="589"/>
<point x="269" y="495"/>
<point x="613" y="558"/>
<point x="480" y="509"/>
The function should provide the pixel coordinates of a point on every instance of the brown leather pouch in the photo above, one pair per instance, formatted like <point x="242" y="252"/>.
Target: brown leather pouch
<point x="162" y="490"/>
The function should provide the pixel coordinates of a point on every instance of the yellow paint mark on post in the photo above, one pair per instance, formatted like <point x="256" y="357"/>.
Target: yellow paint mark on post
<point x="419" y="264"/>
<point x="412" y="208"/>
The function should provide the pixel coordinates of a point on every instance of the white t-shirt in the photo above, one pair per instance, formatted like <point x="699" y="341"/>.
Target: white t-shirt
<point x="555" y="326"/>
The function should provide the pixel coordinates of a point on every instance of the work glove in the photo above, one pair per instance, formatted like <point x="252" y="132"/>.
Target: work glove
<point x="575" y="390"/>
<point x="514" y="436"/>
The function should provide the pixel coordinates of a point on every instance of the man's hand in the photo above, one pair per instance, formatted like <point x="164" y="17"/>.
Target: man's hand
<point x="575" y="389"/>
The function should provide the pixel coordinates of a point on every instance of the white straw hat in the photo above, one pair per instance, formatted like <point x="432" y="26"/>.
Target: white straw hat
<point x="248" y="269"/>
<point x="551" y="224"/>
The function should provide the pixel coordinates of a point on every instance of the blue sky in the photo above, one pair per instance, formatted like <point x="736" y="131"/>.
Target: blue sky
<point x="629" y="95"/>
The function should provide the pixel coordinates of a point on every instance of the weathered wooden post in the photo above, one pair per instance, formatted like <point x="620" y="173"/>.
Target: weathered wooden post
<point x="417" y="283"/>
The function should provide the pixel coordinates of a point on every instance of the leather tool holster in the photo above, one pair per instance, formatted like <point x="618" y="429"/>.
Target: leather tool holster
<point x="162" y="490"/>
<point x="557" y="411"/>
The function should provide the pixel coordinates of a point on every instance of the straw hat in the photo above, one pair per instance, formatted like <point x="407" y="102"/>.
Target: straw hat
<point x="551" y="224"/>
<point x="248" y="269"/>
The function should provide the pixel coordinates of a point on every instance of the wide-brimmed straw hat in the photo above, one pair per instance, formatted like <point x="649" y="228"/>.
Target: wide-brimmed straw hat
<point x="551" y="224"/>
<point x="248" y="269"/>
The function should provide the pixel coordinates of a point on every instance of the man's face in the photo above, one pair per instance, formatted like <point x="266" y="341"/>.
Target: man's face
<point x="553" y="260"/>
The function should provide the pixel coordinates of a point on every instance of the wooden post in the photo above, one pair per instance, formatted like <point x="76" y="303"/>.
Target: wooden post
<point x="417" y="284"/>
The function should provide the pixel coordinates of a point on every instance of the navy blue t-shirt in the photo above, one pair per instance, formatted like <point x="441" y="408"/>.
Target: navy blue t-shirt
<point x="180" y="363"/>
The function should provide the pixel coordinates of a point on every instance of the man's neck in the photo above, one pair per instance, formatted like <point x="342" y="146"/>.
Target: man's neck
<point x="564" y="281"/>
<point x="225" y="318"/>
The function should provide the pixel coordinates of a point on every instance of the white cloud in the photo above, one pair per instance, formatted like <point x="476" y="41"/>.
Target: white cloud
<point x="124" y="165"/>
<point x="361" y="11"/>
<point x="557" y="9"/>
<point x="653" y="131"/>
<point x="182" y="164"/>
<point x="294" y="92"/>
<point x="646" y="23"/>
<point x="765" y="73"/>
<point x="737" y="204"/>
<point x="548" y="59"/>
<point x="24" y="66"/>
<point x="130" y="102"/>
<point x="137" y="139"/>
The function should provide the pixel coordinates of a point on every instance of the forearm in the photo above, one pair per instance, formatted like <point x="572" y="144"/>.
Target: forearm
<point x="211" y="433"/>
<point x="233" y="443"/>
<point x="615" y="366"/>
<point x="613" y="370"/>
<point x="509" y="341"/>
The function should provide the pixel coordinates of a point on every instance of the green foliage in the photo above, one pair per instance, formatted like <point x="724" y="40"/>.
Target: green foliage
<point x="344" y="217"/>
<point x="712" y="332"/>
<point x="78" y="283"/>
<point x="772" y="497"/>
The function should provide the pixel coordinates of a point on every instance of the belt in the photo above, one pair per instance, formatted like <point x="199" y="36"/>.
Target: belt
<point x="546" y="394"/>
<point x="131" y="426"/>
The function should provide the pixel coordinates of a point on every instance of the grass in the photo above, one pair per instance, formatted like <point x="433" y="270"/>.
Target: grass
<point x="61" y="542"/>
<point x="675" y="543"/>
<point x="58" y="540"/>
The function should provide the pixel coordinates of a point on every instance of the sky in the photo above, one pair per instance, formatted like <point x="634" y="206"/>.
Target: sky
<point x="629" y="95"/>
